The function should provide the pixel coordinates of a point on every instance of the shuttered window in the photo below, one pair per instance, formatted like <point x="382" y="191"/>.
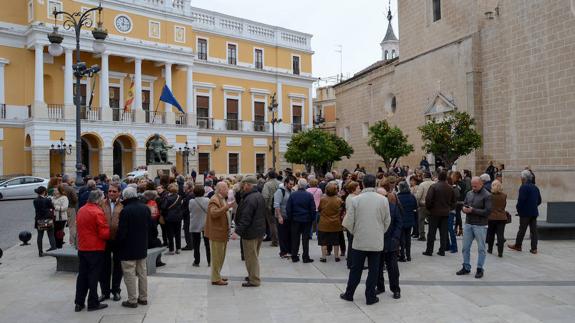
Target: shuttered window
<point x="233" y="163"/>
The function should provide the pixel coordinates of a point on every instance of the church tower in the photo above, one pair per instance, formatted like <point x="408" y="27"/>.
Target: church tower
<point x="389" y="44"/>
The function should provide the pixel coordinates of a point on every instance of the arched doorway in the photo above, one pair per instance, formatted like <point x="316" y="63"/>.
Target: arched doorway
<point x="123" y="155"/>
<point x="91" y="146"/>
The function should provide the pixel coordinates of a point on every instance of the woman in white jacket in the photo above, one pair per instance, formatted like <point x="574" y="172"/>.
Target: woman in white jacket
<point x="60" y="201"/>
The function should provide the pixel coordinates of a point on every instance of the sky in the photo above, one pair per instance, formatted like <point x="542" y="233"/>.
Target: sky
<point x="359" y="26"/>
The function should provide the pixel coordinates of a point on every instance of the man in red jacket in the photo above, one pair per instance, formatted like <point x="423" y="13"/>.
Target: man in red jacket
<point x="93" y="232"/>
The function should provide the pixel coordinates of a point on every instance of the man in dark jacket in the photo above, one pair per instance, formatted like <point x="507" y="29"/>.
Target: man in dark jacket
<point x="84" y="192"/>
<point x="132" y="239"/>
<point x="408" y="219"/>
<point x="439" y="201"/>
<point x="528" y="201"/>
<point x="389" y="255"/>
<point x="251" y="226"/>
<point x="477" y="206"/>
<point x="300" y="210"/>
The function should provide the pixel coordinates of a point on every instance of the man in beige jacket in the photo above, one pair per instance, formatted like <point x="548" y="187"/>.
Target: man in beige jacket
<point x="422" y="211"/>
<point x="367" y="219"/>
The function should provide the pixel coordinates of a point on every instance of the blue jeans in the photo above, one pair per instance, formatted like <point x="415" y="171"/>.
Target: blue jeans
<point x="477" y="233"/>
<point x="451" y="229"/>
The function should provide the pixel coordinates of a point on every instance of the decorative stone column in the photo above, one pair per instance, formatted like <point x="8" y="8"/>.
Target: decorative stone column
<point x="69" y="108"/>
<point x="137" y="84"/>
<point x="105" y="90"/>
<point x="41" y="161"/>
<point x="3" y="62"/>
<point x="190" y="97"/>
<point x="107" y="161"/>
<point x="39" y="109"/>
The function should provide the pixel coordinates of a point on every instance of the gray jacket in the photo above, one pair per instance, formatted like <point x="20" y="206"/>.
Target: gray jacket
<point x="198" y="209"/>
<point x="281" y="197"/>
<point x="481" y="204"/>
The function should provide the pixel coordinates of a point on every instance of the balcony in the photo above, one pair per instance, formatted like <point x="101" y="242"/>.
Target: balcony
<point x="181" y="119"/>
<point x="91" y="114"/>
<point x="2" y="111"/>
<point x="297" y="127"/>
<point x="261" y="126"/>
<point x="157" y="117"/>
<point x="122" y="115"/>
<point x="233" y="124"/>
<point x="55" y="111"/>
<point x="205" y="123"/>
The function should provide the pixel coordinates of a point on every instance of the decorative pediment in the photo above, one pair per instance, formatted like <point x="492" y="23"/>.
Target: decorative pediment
<point x="440" y="105"/>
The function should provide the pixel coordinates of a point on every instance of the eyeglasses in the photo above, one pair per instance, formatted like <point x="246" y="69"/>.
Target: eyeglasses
<point x="112" y="191"/>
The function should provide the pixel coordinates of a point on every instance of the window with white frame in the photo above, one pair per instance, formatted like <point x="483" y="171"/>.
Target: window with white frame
<point x="232" y="54"/>
<point x="180" y="34"/>
<point x="154" y="29"/>
<point x="202" y="49"/>
<point x="54" y="5"/>
<point x="233" y="163"/>
<point x="203" y="110"/>
<point x="297" y="118"/>
<point x="30" y="10"/>
<point x="296" y="64"/>
<point x="260" y="163"/>
<point x="203" y="163"/>
<point x="259" y="58"/>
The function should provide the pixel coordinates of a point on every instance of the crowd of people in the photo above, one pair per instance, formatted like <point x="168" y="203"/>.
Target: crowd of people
<point x="356" y="216"/>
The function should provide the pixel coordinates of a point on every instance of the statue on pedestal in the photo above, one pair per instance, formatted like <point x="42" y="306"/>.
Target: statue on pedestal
<point x="158" y="151"/>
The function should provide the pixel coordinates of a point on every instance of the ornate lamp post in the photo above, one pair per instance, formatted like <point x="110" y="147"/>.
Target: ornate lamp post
<point x="273" y="107"/>
<point x="186" y="153"/>
<point x="75" y="21"/>
<point x="62" y="149"/>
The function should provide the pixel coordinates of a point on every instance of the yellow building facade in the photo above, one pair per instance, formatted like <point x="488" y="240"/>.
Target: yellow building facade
<point x="223" y="71"/>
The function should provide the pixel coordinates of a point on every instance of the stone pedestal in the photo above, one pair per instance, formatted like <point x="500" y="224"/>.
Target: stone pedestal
<point x="153" y="170"/>
<point x="40" y="110"/>
<point x="107" y="161"/>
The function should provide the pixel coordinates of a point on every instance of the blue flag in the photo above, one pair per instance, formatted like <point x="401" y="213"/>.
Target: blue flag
<point x="168" y="97"/>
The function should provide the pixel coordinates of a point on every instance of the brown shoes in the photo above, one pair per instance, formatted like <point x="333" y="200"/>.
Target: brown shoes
<point x="514" y="247"/>
<point x="220" y="283"/>
<point x="533" y="251"/>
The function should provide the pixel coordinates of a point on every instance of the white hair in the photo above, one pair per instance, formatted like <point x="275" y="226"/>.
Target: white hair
<point x="329" y="176"/>
<point x="95" y="196"/>
<point x="526" y="175"/>
<point x="129" y="193"/>
<point x="302" y="183"/>
<point x="485" y="178"/>
<point x="115" y="178"/>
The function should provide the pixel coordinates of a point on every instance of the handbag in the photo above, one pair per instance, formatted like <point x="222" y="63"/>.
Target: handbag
<point x="44" y="224"/>
<point x="508" y="217"/>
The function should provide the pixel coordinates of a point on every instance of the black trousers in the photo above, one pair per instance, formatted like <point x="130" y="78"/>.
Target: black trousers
<point x="415" y="230"/>
<point x="437" y="222"/>
<point x="174" y="233"/>
<point x="389" y="260"/>
<point x="284" y="237"/>
<point x="300" y="230"/>
<point x="164" y="228"/>
<point x="496" y="227"/>
<point x="524" y="222"/>
<point x="373" y="259"/>
<point x="89" y="270"/>
<point x="187" y="233"/>
<point x="111" y="270"/>
<point x="59" y="233"/>
<point x="51" y="238"/>
<point x="349" y="249"/>
<point x="196" y="240"/>
<point x="405" y="243"/>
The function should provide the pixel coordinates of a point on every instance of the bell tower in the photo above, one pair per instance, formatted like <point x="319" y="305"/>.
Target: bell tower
<point x="390" y="43"/>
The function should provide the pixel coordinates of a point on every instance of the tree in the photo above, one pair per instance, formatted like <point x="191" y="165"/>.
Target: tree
<point x="389" y="143"/>
<point x="450" y="138"/>
<point x="318" y="149"/>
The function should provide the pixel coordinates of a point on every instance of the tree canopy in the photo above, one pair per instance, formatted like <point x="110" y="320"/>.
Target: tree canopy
<point x="389" y="143"/>
<point x="450" y="138"/>
<point x="317" y="148"/>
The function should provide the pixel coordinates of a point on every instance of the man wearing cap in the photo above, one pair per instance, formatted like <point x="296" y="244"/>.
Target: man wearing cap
<point x="251" y="227"/>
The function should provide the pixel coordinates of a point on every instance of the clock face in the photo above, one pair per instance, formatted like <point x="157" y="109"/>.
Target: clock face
<point x="123" y="24"/>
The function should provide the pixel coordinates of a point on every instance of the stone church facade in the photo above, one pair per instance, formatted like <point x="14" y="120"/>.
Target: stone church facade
<point x="510" y="64"/>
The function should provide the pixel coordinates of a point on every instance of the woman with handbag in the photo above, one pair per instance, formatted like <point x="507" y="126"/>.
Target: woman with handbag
<point x="60" y="202"/>
<point x="44" y="219"/>
<point x="172" y="205"/>
<point x="497" y="218"/>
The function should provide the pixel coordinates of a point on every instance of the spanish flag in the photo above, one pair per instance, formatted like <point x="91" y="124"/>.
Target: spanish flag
<point x="128" y="104"/>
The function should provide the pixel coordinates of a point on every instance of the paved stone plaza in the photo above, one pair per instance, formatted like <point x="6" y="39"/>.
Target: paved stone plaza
<point x="519" y="287"/>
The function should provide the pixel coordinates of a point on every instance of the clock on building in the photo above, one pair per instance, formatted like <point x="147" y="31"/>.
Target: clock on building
<point x="123" y="23"/>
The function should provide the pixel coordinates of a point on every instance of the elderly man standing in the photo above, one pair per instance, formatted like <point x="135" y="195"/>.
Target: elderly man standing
<point x="112" y="265"/>
<point x="528" y="201"/>
<point x="367" y="219"/>
<point x="440" y="199"/>
<point x="93" y="231"/>
<point x="420" y="195"/>
<point x="251" y="227"/>
<point x="217" y="230"/>
<point x="132" y="239"/>
<point x="268" y="191"/>
<point x="300" y="211"/>
<point x="477" y="206"/>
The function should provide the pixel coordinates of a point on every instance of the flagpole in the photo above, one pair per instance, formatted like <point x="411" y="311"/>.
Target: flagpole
<point x="157" y="105"/>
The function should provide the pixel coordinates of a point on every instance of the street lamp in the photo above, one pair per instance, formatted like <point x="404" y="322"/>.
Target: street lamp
<point x="75" y="21"/>
<point x="273" y="107"/>
<point x="62" y="149"/>
<point x="186" y="152"/>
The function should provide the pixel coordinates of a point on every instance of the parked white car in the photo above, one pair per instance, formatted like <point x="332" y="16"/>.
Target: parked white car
<point x="21" y="187"/>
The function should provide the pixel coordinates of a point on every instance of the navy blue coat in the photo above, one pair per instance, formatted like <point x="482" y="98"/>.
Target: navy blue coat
<point x="133" y="230"/>
<point x="528" y="200"/>
<point x="300" y="206"/>
<point x="409" y="204"/>
<point x="393" y="234"/>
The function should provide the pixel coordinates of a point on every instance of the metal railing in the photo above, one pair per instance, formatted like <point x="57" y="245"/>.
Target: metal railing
<point x="233" y="124"/>
<point x="205" y="123"/>
<point x="2" y="111"/>
<point x="261" y="126"/>
<point x="56" y="111"/>
<point x="181" y="119"/>
<point x="91" y="114"/>
<point x="119" y="114"/>
<point x="297" y="127"/>
<point x="158" y="117"/>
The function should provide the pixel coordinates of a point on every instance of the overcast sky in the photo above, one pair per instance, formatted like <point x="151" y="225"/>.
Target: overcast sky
<point x="359" y="26"/>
